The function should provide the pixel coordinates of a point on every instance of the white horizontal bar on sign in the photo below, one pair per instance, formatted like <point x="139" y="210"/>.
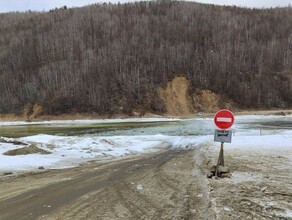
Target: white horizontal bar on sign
<point x="221" y="119"/>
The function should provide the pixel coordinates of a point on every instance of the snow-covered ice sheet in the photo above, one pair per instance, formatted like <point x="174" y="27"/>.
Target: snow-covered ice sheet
<point x="283" y="141"/>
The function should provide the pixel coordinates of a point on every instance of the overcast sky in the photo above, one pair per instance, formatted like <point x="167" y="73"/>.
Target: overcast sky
<point x="40" y="5"/>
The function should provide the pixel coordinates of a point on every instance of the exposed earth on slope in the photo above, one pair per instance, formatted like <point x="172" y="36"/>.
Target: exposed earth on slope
<point x="176" y="98"/>
<point x="179" y="102"/>
<point x="170" y="184"/>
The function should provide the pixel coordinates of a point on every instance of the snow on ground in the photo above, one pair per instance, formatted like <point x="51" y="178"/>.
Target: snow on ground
<point x="277" y="141"/>
<point x="68" y="151"/>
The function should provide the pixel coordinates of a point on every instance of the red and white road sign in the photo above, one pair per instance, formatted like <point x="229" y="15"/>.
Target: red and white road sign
<point x="224" y="119"/>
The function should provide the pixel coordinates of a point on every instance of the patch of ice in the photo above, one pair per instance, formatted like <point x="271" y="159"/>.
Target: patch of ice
<point x="227" y="209"/>
<point x="238" y="177"/>
<point x="287" y="214"/>
<point x="140" y="187"/>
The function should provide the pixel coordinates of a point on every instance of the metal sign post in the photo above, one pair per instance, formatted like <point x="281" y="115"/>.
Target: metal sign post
<point x="223" y="119"/>
<point x="220" y="159"/>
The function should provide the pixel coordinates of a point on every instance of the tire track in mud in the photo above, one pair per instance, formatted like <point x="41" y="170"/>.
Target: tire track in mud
<point x="201" y="206"/>
<point x="156" y="200"/>
<point x="169" y="190"/>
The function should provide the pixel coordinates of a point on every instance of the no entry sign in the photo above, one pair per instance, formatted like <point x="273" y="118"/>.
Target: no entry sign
<point x="224" y="119"/>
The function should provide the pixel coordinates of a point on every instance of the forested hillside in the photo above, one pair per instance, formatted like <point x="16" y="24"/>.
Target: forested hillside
<point x="111" y="59"/>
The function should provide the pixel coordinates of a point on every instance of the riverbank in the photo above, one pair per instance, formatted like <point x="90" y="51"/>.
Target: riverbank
<point x="84" y="116"/>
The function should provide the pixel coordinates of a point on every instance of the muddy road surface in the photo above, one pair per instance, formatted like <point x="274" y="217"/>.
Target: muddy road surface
<point x="155" y="186"/>
<point x="169" y="184"/>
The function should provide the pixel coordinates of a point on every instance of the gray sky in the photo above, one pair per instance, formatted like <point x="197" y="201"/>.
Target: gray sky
<point x="40" y="5"/>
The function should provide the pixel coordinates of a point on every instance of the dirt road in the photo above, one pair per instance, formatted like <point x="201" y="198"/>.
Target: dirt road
<point x="156" y="186"/>
<point x="165" y="185"/>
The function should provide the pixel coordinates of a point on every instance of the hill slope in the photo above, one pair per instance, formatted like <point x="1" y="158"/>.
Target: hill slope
<point x="113" y="58"/>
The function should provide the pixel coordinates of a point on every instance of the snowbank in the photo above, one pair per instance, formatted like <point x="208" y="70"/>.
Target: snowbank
<point x="67" y="151"/>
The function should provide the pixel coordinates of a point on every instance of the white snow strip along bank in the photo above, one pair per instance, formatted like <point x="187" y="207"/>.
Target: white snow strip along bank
<point x="88" y="121"/>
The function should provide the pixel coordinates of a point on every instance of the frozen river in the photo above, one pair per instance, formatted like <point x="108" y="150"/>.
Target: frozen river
<point x="73" y="142"/>
<point x="134" y="127"/>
